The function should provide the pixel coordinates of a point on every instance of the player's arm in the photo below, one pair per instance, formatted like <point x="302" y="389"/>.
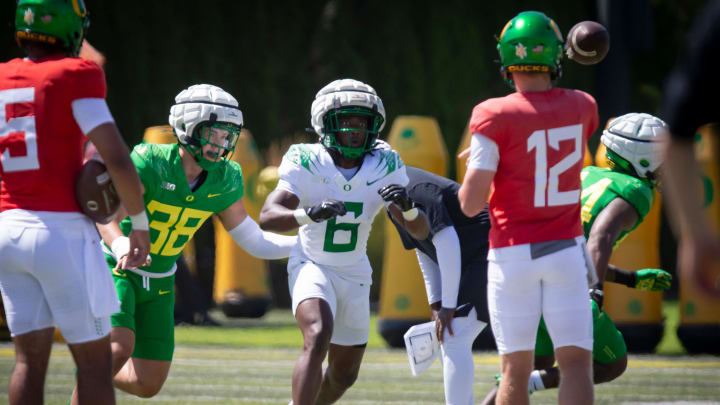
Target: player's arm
<point x="644" y="280"/>
<point x="618" y="216"/>
<point x="447" y="248"/>
<point x="248" y="235"/>
<point x="281" y="213"/>
<point x="94" y="119"/>
<point x="119" y="244"/>
<point x="403" y="210"/>
<point x="481" y="168"/>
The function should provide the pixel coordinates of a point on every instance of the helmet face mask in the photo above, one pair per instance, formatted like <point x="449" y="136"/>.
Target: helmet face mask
<point x="207" y="115"/>
<point x="635" y="145"/>
<point x="530" y="42"/>
<point x="332" y="128"/>
<point x="60" y="23"/>
<point x="342" y="99"/>
<point x="221" y="136"/>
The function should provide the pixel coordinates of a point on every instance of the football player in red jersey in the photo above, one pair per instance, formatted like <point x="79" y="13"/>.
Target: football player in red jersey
<point x="529" y="146"/>
<point x="52" y="271"/>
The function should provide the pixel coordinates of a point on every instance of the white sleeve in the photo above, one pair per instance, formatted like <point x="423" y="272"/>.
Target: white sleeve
<point x="447" y="246"/>
<point x="90" y="113"/>
<point x="484" y="153"/>
<point x="265" y="245"/>
<point x="431" y="275"/>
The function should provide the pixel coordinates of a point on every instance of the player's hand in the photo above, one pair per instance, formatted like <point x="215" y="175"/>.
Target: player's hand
<point x="327" y="209"/>
<point x="397" y="195"/>
<point x="464" y="154"/>
<point x="699" y="261"/>
<point x="597" y="295"/>
<point x="138" y="255"/>
<point x="443" y="320"/>
<point x="652" y="280"/>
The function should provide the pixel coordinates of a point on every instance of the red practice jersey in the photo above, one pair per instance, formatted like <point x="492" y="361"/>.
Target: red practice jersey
<point x="541" y="139"/>
<point x="40" y="142"/>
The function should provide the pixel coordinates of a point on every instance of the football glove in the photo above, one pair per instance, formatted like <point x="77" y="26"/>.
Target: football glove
<point x="652" y="280"/>
<point x="397" y="195"/>
<point x="327" y="209"/>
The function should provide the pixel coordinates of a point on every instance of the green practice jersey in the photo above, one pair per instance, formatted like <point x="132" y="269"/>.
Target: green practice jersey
<point x="174" y="212"/>
<point x="600" y="186"/>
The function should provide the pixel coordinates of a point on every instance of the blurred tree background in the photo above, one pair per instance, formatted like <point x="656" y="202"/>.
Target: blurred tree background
<point x="423" y="57"/>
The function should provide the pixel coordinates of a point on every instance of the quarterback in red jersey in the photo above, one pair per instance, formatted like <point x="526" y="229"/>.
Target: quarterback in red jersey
<point x="529" y="147"/>
<point x="52" y="270"/>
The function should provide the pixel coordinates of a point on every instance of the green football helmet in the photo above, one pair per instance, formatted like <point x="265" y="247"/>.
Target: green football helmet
<point x="61" y="22"/>
<point x="530" y="42"/>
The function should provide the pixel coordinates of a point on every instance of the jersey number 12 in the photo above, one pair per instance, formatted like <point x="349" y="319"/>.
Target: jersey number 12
<point x="539" y="142"/>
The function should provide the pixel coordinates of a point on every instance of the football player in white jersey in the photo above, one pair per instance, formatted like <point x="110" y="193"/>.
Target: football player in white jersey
<point x="331" y="190"/>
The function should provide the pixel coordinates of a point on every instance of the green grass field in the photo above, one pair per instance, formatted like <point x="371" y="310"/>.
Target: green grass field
<point x="251" y="361"/>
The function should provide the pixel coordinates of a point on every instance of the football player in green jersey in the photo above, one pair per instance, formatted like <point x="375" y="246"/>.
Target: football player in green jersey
<point x="614" y="202"/>
<point x="184" y="184"/>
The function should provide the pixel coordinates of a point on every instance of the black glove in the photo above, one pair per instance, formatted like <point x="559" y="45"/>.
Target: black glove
<point x="397" y="195"/>
<point x="597" y="295"/>
<point x="327" y="209"/>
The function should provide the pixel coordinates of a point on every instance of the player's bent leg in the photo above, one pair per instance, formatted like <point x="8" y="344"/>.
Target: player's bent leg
<point x="122" y="343"/>
<point x="576" y="381"/>
<point x="606" y="372"/>
<point x="315" y="319"/>
<point x="458" y="366"/>
<point x="341" y="373"/>
<point x="94" y="372"/>
<point x="32" y="353"/>
<point x="142" y="377"/>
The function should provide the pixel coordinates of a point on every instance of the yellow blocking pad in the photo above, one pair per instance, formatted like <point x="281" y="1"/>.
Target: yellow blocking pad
<point x="235" y="269"/>
<point x="639" y="250"/>
<point x="159" y="134"/>
<point x="419" y="142"/>
<point x="695" y="307"/>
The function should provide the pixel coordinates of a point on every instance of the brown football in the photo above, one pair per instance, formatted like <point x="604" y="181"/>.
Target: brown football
<point x="587" y="43"/>
<point x="95" y="193"/>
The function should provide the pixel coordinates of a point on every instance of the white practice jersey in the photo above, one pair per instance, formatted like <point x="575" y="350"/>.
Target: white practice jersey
<point x="308" y="171"/>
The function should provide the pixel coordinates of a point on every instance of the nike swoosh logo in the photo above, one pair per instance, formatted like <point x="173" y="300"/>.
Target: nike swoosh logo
<point x="118" y="273"/>
<point x="213" y="195"/>
<point x="163" y="292"/>
<point x="370" y="183"/>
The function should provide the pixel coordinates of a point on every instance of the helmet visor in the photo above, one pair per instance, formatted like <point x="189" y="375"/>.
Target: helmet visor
<point x="217" y="140"/>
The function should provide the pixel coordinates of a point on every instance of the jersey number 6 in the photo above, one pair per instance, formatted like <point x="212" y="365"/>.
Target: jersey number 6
<point x="333" y="226"/>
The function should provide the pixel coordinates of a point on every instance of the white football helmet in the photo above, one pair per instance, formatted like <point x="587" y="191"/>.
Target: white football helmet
<point x="636" y="143"/>
<point x="200" y="106"/>
<point x="347" y="96"/>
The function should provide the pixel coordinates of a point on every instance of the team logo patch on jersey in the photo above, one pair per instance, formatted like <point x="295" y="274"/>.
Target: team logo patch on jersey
<point x="521" y="51"/>
<point x="29" y="17"/>
<point x="168" y="186"/>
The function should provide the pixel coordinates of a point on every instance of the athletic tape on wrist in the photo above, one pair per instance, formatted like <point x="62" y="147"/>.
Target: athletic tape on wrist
<point x="301" y="217"/>
<point x="410" y="214"/>
<point x="120" y="246"/>
<point x="140" y="222"/>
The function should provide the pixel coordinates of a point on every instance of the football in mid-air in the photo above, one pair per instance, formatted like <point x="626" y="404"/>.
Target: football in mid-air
<point x="95" y="193"/>
<point x="587" y="43"/>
